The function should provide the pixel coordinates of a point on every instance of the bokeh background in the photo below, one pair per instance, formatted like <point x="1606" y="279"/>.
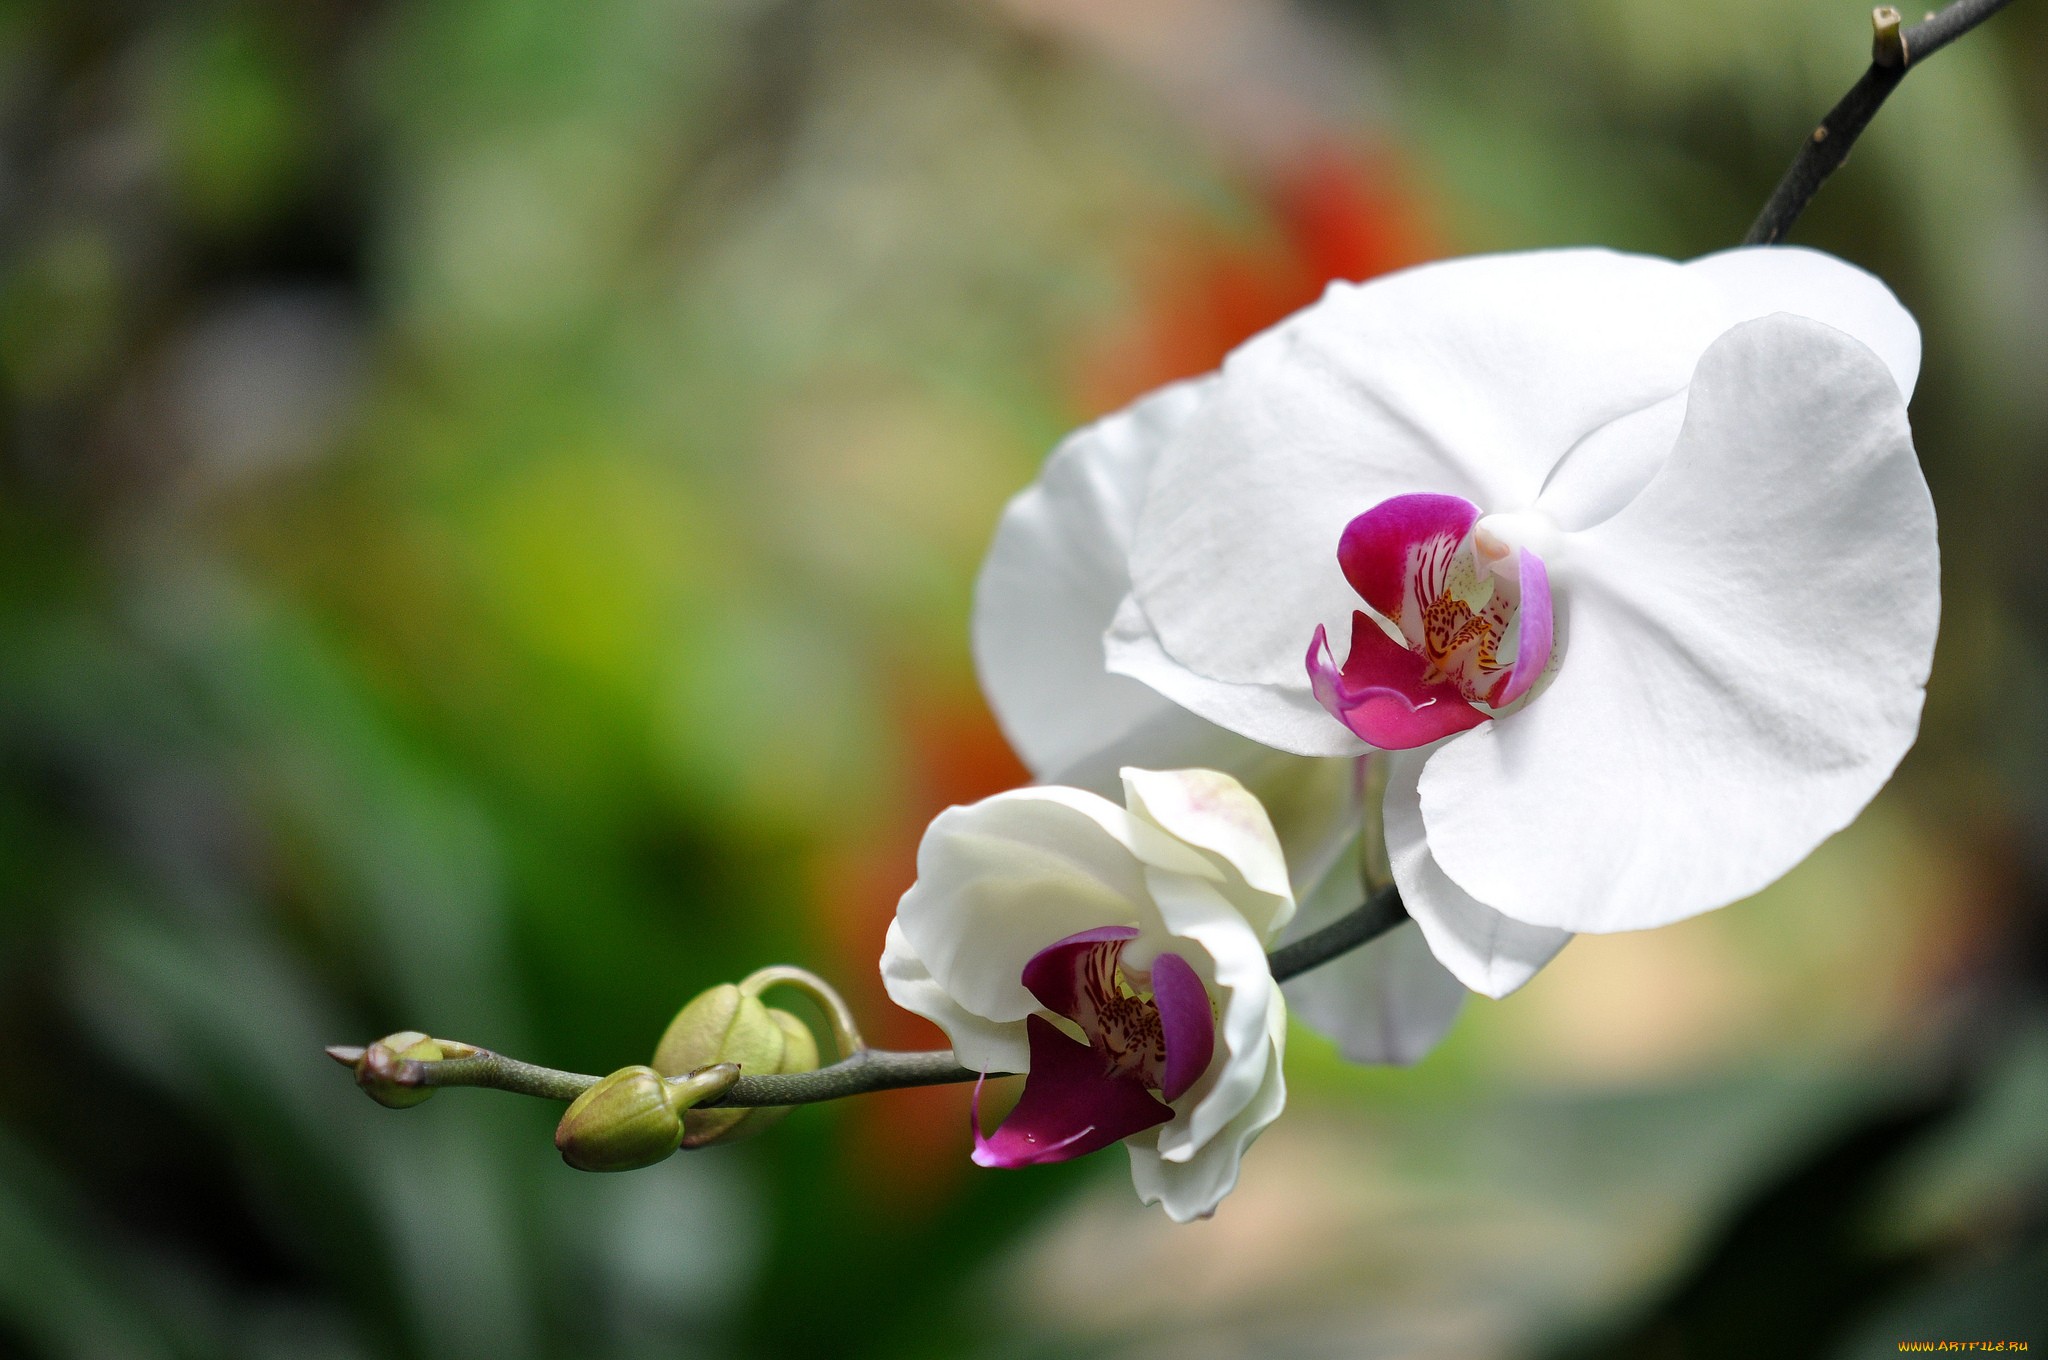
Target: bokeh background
<point x="489" y="501"/>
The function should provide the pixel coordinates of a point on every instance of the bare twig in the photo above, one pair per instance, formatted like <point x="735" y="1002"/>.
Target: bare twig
<point x="1894" y="51"/>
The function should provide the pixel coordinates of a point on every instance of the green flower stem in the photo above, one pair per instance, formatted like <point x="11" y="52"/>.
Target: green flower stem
<point x="840" y="1015"/>
<point x="1363" y="924"/>
<point x="871" y="1069"/>
<point x="469" y="1065"/>
<point x="864" y="1070"/>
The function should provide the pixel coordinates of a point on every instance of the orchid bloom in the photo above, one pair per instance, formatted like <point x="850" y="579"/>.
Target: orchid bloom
<point x="1634" y="561"/>
<point x="1633" y="565"/>
<point x="1117" y="956"/>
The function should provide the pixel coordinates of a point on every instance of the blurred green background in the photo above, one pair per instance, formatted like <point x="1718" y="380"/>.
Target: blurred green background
<point x="489" y="500"/>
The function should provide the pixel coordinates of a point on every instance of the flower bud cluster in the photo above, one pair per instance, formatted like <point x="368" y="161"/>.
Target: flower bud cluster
<point x="728" y="1024"/>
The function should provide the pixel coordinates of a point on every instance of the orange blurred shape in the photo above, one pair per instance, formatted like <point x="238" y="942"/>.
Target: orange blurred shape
<point x="1335" y="214"/>
<point x="907" y="1149"/>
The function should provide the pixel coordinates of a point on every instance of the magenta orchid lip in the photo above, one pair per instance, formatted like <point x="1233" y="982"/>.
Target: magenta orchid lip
<point x="1083" y="1095"/>
<point x="1460" y="624"/>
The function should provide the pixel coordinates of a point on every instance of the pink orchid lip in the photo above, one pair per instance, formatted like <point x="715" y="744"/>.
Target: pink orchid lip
<point x="1532" y="653"/>
<point x="1379" y="693"/>
<point x="1425" y="564"/>
<point x="1081" y="1097"/>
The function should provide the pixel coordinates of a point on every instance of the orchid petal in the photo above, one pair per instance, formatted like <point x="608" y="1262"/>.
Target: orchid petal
<point x="1389" y="1001"/>
<point x="1051" y="583"/>
<point x="1756" y="281"/>
<point x="1313" y="804"/>
<point x="1057" y="974"/>
<point x="1491" y="953"/>
<point x="1377" y="550"/>
<point x="1749" y="641"/>
<point x="1209" y="934"/>
<point x="1050" y="586"/>
<point x="983" y="1045"/>
<point x="1070" y="1107"/>
<point x="1186" y="1020"/>
<point x="1192" y="1188"/>
<point x="1002" y="879"/>
<point x="1217" y="815"/>
<point x="1610" y="467"/>
<point x="1286" y="715"/>
<point x="1379" y="693"/>
<point x="1532" y="653"/>
<point x="1469" y="378"/>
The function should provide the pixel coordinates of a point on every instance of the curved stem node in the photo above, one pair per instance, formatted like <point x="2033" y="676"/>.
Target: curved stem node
<point x="845" y="1033"/>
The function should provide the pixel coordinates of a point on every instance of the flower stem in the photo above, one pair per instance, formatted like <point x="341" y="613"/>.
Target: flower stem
<point x="845" y="1032"/>
<point x="1380" y="913"/>
<point x="863" y="1070"/>
<point x="1894" y="51"/>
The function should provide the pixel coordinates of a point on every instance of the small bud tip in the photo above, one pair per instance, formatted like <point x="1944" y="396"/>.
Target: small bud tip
<point x="1887" y="42"/>
<point x="392" y="1071"/>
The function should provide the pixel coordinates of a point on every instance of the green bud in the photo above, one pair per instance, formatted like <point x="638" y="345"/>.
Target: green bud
<point x="634" y="1117"/>
<point x="800" y="1046"/>
<point x="380" y="1071"/>
<point x="726" y="1025"/>
<point x="799" y="1054"/>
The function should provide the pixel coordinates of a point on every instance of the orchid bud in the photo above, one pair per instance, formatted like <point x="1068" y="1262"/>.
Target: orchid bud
<point x="379" y="1070"/>
<point x="799" y="1054"/>
<point x="727" y="1025"/>
<point x="634" y="1117"/>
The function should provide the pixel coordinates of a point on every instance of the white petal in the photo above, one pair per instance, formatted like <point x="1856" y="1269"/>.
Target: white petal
<point x="1611" y="466"/>
<point x="1051" y="583"/>
<point x="1749" y="640"/>
<point x="1205" y="928"/>
<point x="1192" y="1189"/>
<point x="1471" y="378"/>
<point x="1284" y="716"/>
<point x="1488" y="952"/>
<point x="1170" y="738"/>
<point x="1212" y="812"/>
<point x="1315" y="805"/>
<point x="1001" y="880"/>
<point x="1755" y="281"/>
<point x="983" y="1045"/>
<point x="1608" y="468"/>
<point x="1388" y="1002"/>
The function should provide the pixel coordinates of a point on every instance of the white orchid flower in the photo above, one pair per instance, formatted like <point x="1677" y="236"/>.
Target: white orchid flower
<point x="1647" y="567"/>
<point x="1117" y="956"/>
